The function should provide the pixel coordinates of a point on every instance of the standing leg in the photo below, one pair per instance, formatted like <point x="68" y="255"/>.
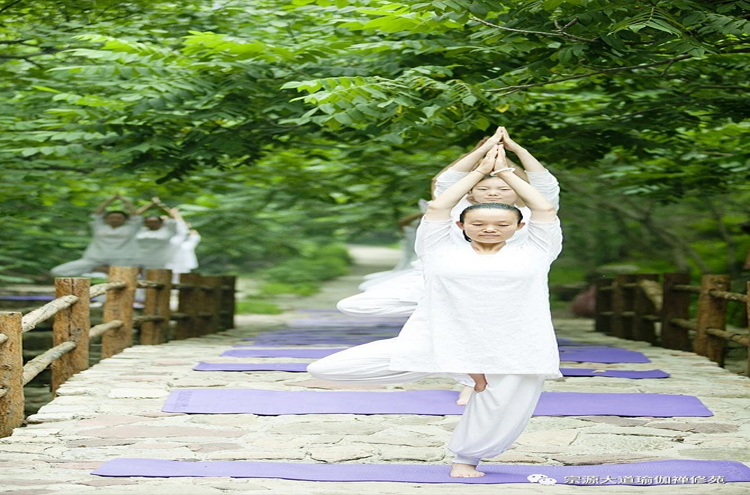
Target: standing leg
<point x="493" y="420"/>
<point x="367" y="363"/>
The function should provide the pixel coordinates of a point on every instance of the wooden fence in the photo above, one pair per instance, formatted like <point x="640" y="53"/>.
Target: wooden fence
<point x="206" y="305"/>
<point x="631" y="306"/>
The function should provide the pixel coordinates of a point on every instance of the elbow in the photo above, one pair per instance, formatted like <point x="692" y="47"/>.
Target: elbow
<point x="547" y="209"/>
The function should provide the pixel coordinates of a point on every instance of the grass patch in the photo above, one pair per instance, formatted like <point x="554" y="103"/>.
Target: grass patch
<point x="278" y="288"/>
<point x="258" y="307"/>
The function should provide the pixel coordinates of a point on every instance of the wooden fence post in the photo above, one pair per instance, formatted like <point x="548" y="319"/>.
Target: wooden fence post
<point x="11" y="373"/>
<point x="676" y="305"/>
<point x="622" y="306"/>
<point x="603" y="305"/>
<point x="119" y="306"/>
<point x="71" y="324"/>
<point x="711" y="314"/>
<point x="157" y="303"/>
<point x="226" y="307"/>
<point x="210" y="305"/>
<point x="188" y="305"/>
<point x="643" y="326"/>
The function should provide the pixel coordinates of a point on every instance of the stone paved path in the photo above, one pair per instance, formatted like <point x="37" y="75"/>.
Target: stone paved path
<point x="113" y="410"/>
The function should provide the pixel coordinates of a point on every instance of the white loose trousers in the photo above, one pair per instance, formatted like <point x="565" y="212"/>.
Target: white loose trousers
<point x="492" y="421"/>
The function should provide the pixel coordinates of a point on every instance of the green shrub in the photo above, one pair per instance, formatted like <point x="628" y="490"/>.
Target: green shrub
<point x="323" y="263"/>
<point x="278" y="288"/>
<point x="258" y="307"/>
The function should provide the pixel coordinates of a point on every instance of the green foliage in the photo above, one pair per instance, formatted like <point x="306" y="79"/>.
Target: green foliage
<point x="257" y="306"/>
<point x="270" y="122"/>
<point x="303" y="275"/>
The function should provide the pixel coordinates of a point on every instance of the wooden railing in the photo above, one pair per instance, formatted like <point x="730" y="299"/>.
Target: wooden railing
<point x="631" y="306"/>
<point x="206" y="305"/>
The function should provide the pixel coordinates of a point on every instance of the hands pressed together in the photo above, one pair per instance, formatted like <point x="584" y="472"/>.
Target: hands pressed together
<point x="494" y="160"/>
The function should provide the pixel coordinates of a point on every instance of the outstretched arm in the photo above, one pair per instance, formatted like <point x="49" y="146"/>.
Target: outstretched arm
<point x="541" y="209"/>
<point x="530" y="164"/>
<point x="128" y="204"/>
<point x="467" y="162"/>
<point x="143" y="209"/>
<point x="440" y="207"/>
<point x="103" y="205"/>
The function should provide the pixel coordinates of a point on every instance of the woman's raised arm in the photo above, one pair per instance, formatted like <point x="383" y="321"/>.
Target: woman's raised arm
<point x="541" y="209"/>
<point x="440" y="207"/>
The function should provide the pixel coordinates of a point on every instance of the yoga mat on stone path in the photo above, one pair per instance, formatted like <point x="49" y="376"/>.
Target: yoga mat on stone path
<point x="291" y="353"/>
<point x="669" y="472"/>
<point x="590" y="355"/>
<point x="301" y="367"/>
<point x="426" y="402"/>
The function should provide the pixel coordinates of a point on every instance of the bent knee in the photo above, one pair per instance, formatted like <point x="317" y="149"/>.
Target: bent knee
<point x="319" y="369"/>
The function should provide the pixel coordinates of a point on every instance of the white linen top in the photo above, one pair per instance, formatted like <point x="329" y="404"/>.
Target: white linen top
<point x="482" y="313"/>
<point x="182" y="245"/>
<point x="113" y="246"/>
<point x="154" y="246"/>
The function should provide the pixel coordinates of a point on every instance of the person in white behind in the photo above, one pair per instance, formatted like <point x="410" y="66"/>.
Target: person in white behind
<point x="485" y="313"/>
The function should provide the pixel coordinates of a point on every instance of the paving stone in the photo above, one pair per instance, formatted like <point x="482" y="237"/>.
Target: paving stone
<point x="158" y="432"/>
<point x="562" y="437"/>
<point x="257" y="455"/>
<point x="109" y="482"/>
<point x="341" y="453"/>
<point x="137" y="393"/>
<point x="605" y="458"/>
<point x="110" y="420"/>
<point x="401" y="454"/>
<point x="697" y="427"/>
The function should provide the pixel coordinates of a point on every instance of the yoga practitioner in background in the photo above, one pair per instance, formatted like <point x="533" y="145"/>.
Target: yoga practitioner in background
<point x="112" y="240"/>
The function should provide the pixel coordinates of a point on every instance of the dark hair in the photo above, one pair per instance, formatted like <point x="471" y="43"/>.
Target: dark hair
<point x="161" y="220"/>
<point x="489" y="206"/>
<point x="117" y="211"/>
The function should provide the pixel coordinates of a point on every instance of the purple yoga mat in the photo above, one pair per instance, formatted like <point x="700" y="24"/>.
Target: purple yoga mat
<point x="294" y="367"/>
<point x="301" y="367"/>
<point x="602" y="355"/>
<point x="593" y="355"/>
<point x="29" y="297"/>
<point x="427" y="402"/>
<point x="635" y="374"/>
<point x="291" y="353"/>
<point x="672" y="472"/>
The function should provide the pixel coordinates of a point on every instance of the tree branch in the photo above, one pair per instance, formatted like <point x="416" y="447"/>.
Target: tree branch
<point x="560" y="33"/>
<point x="512" y="89"/>
<point x="10" y="5"/>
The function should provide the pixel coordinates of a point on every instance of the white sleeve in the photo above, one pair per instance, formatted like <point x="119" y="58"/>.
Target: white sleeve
<point x="446" y="180"/>
<point x="546" y="237"/>
<point x="97" y="220"/>
<point x="547" y="184"/>
<point x="182" y="231"/>
<point x="431" y="235"/>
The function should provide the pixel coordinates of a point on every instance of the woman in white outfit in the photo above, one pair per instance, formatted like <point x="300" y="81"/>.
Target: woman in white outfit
<point x="153" y="239"/>
<point x="398" y="297"/>
<point x="182" y="246"/>
<point x="485" y="312"/>
<point x="112" y="243"/>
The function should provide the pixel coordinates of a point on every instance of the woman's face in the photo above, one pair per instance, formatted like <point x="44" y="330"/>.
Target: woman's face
<point x="115" y="220"/>
<point x="152" y="223"/>
<point x="492" y="190"/>
<point x="490" y="226"/>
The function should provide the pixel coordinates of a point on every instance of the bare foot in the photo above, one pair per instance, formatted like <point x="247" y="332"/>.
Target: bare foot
<point x="464" y="471"/>
<point x="464" y="396"/>
<point x="480" y="381"/>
